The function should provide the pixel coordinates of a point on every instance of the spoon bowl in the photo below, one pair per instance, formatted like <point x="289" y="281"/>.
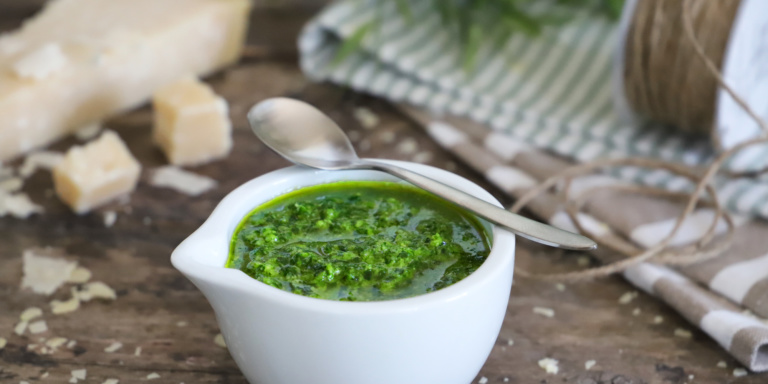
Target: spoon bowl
<point x="306" y="136"/>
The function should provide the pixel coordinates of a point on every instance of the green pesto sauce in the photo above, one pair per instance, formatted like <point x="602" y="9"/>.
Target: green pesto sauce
<point x="358" y="241"/>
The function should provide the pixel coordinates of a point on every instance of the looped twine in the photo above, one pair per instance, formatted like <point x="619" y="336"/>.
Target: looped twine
<point x="706" y="247"/>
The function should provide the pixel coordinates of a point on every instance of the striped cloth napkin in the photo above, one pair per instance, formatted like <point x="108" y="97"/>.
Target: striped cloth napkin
<point x="507" y="121"/>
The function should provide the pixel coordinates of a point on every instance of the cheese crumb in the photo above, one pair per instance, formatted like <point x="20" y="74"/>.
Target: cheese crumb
<point x="3" y="343"/>
<point x="44" y="275"/>
<point x="636" y="312"/>
<point x="182" y="181"/>
<point x="88" y="132"/>
<point x="684" y="333"/>
<point x="408" y="146"/>
<point x="589" y="364"/>
<point x="17" y="205"/>
<point x="366" y="117"/>
<point x="41" y="63"/>
<point x="31" y="313"/>
<point x="627" y="297"/>
<point x="560" y="287"/>
<point x="20" y="328"/>
<point x="11" y="184"/>
<point x="113" y="347"/>
<point x="153" y="376"/>
<point x="23" y="382"/>
<point x="422" y="157"/>
<point x="582" y="261"/>
<point x="483" y="380"/>
<point x="61" y="307"/>
<point x="46" y="160"/>
<point x="79" y="275"/>
<point x="546" y="312"/>
<point x="510" y="342"/>
<point x="38" y="327"/>
<point x="181" y="324"/>
<point x="96" y="290"/>
<point x="739" y="372"/>
<point x="506" y="380"/>
<point x="658" y="320"/>
<point x="219" y="340"/>
<point x="44" y="375"/>
<point x="387" y="137"/>
<point x="111" y="381"/>
<point x="137" y="352"/>
<point x="549" y="365"/>
<point x="71" y="344"/>
<point x="79" y="374"/>
<point x="109" y="218"/>
<point x="722" y="364"/>
<point x="56" y="342"/>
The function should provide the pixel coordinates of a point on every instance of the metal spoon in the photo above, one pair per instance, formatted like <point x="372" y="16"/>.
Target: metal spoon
<point x="304" y="135"/>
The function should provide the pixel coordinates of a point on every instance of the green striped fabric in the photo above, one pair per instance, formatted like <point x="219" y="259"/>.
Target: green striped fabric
<point x="553" y="91"/>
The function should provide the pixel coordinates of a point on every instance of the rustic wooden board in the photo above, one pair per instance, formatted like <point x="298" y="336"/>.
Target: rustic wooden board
<point x="158" y="310"/>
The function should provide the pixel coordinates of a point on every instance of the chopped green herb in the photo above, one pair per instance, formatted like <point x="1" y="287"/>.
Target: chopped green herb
<point x="359" y="241"/>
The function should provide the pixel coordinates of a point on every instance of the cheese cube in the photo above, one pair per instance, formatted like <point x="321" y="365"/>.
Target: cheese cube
<point x="80" y="61"/>
<point x="192" y="125"/>
<point x="95" y="173"/>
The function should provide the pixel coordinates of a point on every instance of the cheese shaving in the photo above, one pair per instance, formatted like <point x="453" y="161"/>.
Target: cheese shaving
<point x="546" y="312"/>
<point x="627" y="297"/>
<point x="589" y="364"/>
<point x="219" y="340"/>
<point x="46" y="160"/>
<point x="111" y="381"/>
<point x="153" y="376"/>
<point x="96" y="290"/>
<point x="684" y="333"/>
<point x="79" y="275"/>
<point x="11" y="184"/>
<point x="739" y="372"/>
<point x="88" y="132"/>
<point x="549" y="365"/>
<point x="17" y="205"/>
<point x="722" y="364"/>
<point x="20" y="328"/>
<point x="44" y="275"/>
<point x="56" y="342"/>
<point x="110" y="217"/>
<point x="180" y="180"/>
<point x="366" y="117"/>
<point x="137" y="352"/>
<point x="483" y="380"/>
<point x="658" y="320"/>
<point x="38" y="327"/>
<point x="79" y="374"/>
<point x="113" y="347"/>
<point x="61" y="307"/>
<point x="408" y="146"/>
<point x="3" y="343"/>
<point x="31" y="313"/>
<point x="71" y="344"/>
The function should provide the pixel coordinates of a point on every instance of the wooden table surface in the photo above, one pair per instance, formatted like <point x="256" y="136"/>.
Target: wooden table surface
<point x="160" y="311"/>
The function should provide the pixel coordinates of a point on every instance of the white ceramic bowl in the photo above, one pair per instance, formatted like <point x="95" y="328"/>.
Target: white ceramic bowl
<point x="277" y="337"/>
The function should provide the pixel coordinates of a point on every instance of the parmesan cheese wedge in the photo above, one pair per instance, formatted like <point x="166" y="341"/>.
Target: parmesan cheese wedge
<point x="80" y="61"/>
<point x="96" y="173"/>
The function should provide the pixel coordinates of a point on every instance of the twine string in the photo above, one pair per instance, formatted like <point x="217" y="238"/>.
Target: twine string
<point x="709" y="245"/>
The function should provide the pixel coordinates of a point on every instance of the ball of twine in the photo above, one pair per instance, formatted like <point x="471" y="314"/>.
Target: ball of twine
<point x="689" y="83"/>
<point x="664" y="79"/>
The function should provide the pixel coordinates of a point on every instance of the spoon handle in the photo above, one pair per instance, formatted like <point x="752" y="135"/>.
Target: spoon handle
<point x="519" y="225"/>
